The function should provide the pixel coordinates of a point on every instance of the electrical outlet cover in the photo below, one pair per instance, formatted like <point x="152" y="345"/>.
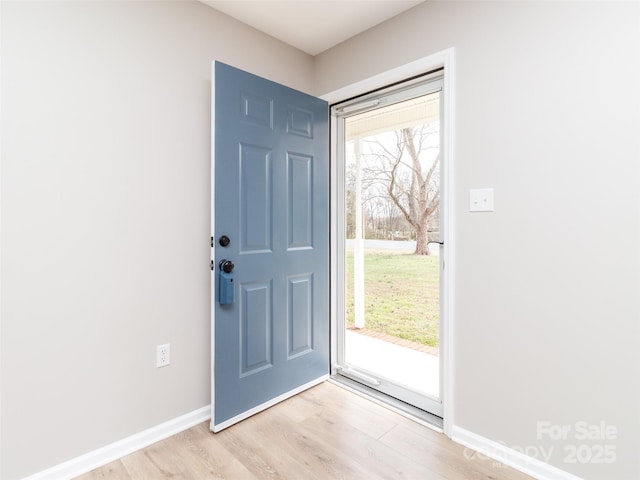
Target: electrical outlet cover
<point x="163" y="355"/>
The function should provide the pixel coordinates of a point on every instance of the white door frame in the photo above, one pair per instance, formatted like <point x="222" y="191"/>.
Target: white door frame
<point x="446" y="59"/>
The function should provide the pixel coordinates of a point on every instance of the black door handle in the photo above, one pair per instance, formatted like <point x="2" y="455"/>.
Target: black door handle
<point x="226" y="266"/>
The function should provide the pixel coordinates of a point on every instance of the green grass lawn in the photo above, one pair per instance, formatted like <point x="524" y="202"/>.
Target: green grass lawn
<point x="401" y="295"/>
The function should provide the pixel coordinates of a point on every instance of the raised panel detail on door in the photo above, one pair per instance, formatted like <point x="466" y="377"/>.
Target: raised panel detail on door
<point x="299" y="122"/>
<point x="255" y="201"/>
<point x="257" y="110"/>
<point x="299" y="199"/>
<point x="256" y="345"/>
<point x="299" y="314"/>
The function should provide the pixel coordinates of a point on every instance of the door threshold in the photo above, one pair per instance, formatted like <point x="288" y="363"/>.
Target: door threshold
<point x="406" y="410"/>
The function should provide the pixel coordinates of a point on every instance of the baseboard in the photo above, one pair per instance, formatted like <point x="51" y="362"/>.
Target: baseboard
<point x="92" y="460"/>
<point x="510" y="457"/>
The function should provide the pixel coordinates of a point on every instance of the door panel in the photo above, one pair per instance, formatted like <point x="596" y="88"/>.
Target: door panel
<point x="255" y="199"/>
<point x="271" y="182"/>
<point x="300" y="314"/>
<point x="300" y="198"/>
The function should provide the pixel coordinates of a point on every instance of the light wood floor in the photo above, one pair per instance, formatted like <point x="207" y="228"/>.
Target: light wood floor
<point x="323" y="433"/>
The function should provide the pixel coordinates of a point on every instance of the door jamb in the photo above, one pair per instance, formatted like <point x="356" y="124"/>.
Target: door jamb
<point x="446" y="59"/>
<point x="212" y="202"/>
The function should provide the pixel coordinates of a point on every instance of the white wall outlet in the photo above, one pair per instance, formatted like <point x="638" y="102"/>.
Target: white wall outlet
<point x="481" y="200"/>
<point x="163" y="355"/>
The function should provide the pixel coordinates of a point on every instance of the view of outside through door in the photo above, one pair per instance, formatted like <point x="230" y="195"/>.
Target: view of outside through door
<point x="392" y="201"/>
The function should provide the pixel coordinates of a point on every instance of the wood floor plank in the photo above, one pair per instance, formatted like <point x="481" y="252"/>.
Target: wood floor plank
<point x="419" y="443"/>
<point x="366" y="450"/>
<point x="140" y="465"/>
<point x="262" y="450"/>
<point x="322" y="459"/>
<point x="113" y="471"/>
<point x="169" y="460"/>
<point x="326" y="432"/>
<point x="359" y="412"/>
<point x="210" y="451"/>
<point x="438" y="455"/>
<point x="205" y="456"/>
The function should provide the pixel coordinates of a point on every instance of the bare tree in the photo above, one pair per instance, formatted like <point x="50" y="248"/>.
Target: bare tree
<point x="410" y="179"/>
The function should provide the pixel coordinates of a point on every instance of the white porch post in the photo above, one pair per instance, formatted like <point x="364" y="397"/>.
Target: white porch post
<point x="358" y="246"/>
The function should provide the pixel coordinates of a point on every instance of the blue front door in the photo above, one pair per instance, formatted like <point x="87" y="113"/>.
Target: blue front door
<point x="271" y="202"/>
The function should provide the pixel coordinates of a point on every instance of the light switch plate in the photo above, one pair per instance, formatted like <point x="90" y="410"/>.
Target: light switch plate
<point x="481" y="200"/>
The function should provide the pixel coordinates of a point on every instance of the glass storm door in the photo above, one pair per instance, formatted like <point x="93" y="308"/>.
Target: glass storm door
<point x="390" y="156"/>
<point x="270" y="237"/>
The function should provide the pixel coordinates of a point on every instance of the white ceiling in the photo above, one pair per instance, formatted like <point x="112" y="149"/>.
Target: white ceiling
<point x="312" y="26"/>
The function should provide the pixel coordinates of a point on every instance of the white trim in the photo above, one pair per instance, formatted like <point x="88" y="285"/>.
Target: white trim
<point x="447" y="333"/>
<point x="265" y="405"/>
<point x="336" y="179"/>
<point x="446" y="59"/>
<point x="92" y="460"/>
<point x="510" y="457"/>
<point x="212" y="281"/>
<point x="1" y="270"/>
<point x="397" y="74"/>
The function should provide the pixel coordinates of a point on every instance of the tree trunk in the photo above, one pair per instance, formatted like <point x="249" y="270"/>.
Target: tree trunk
<point x="422" y="241"/>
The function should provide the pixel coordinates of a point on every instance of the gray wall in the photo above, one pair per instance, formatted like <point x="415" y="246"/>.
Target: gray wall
<point x="548" y="286"/>
<point x="105" y="215"/>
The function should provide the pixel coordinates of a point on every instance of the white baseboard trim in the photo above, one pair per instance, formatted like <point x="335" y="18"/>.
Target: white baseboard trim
<point x="92" y="460"/>
<point x="508" y="456"/>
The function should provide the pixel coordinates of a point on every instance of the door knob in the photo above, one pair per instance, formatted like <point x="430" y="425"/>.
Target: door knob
<point x="226" y="266"/>
<point x="226" y="289"/>
<point x="224" y="241"/>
